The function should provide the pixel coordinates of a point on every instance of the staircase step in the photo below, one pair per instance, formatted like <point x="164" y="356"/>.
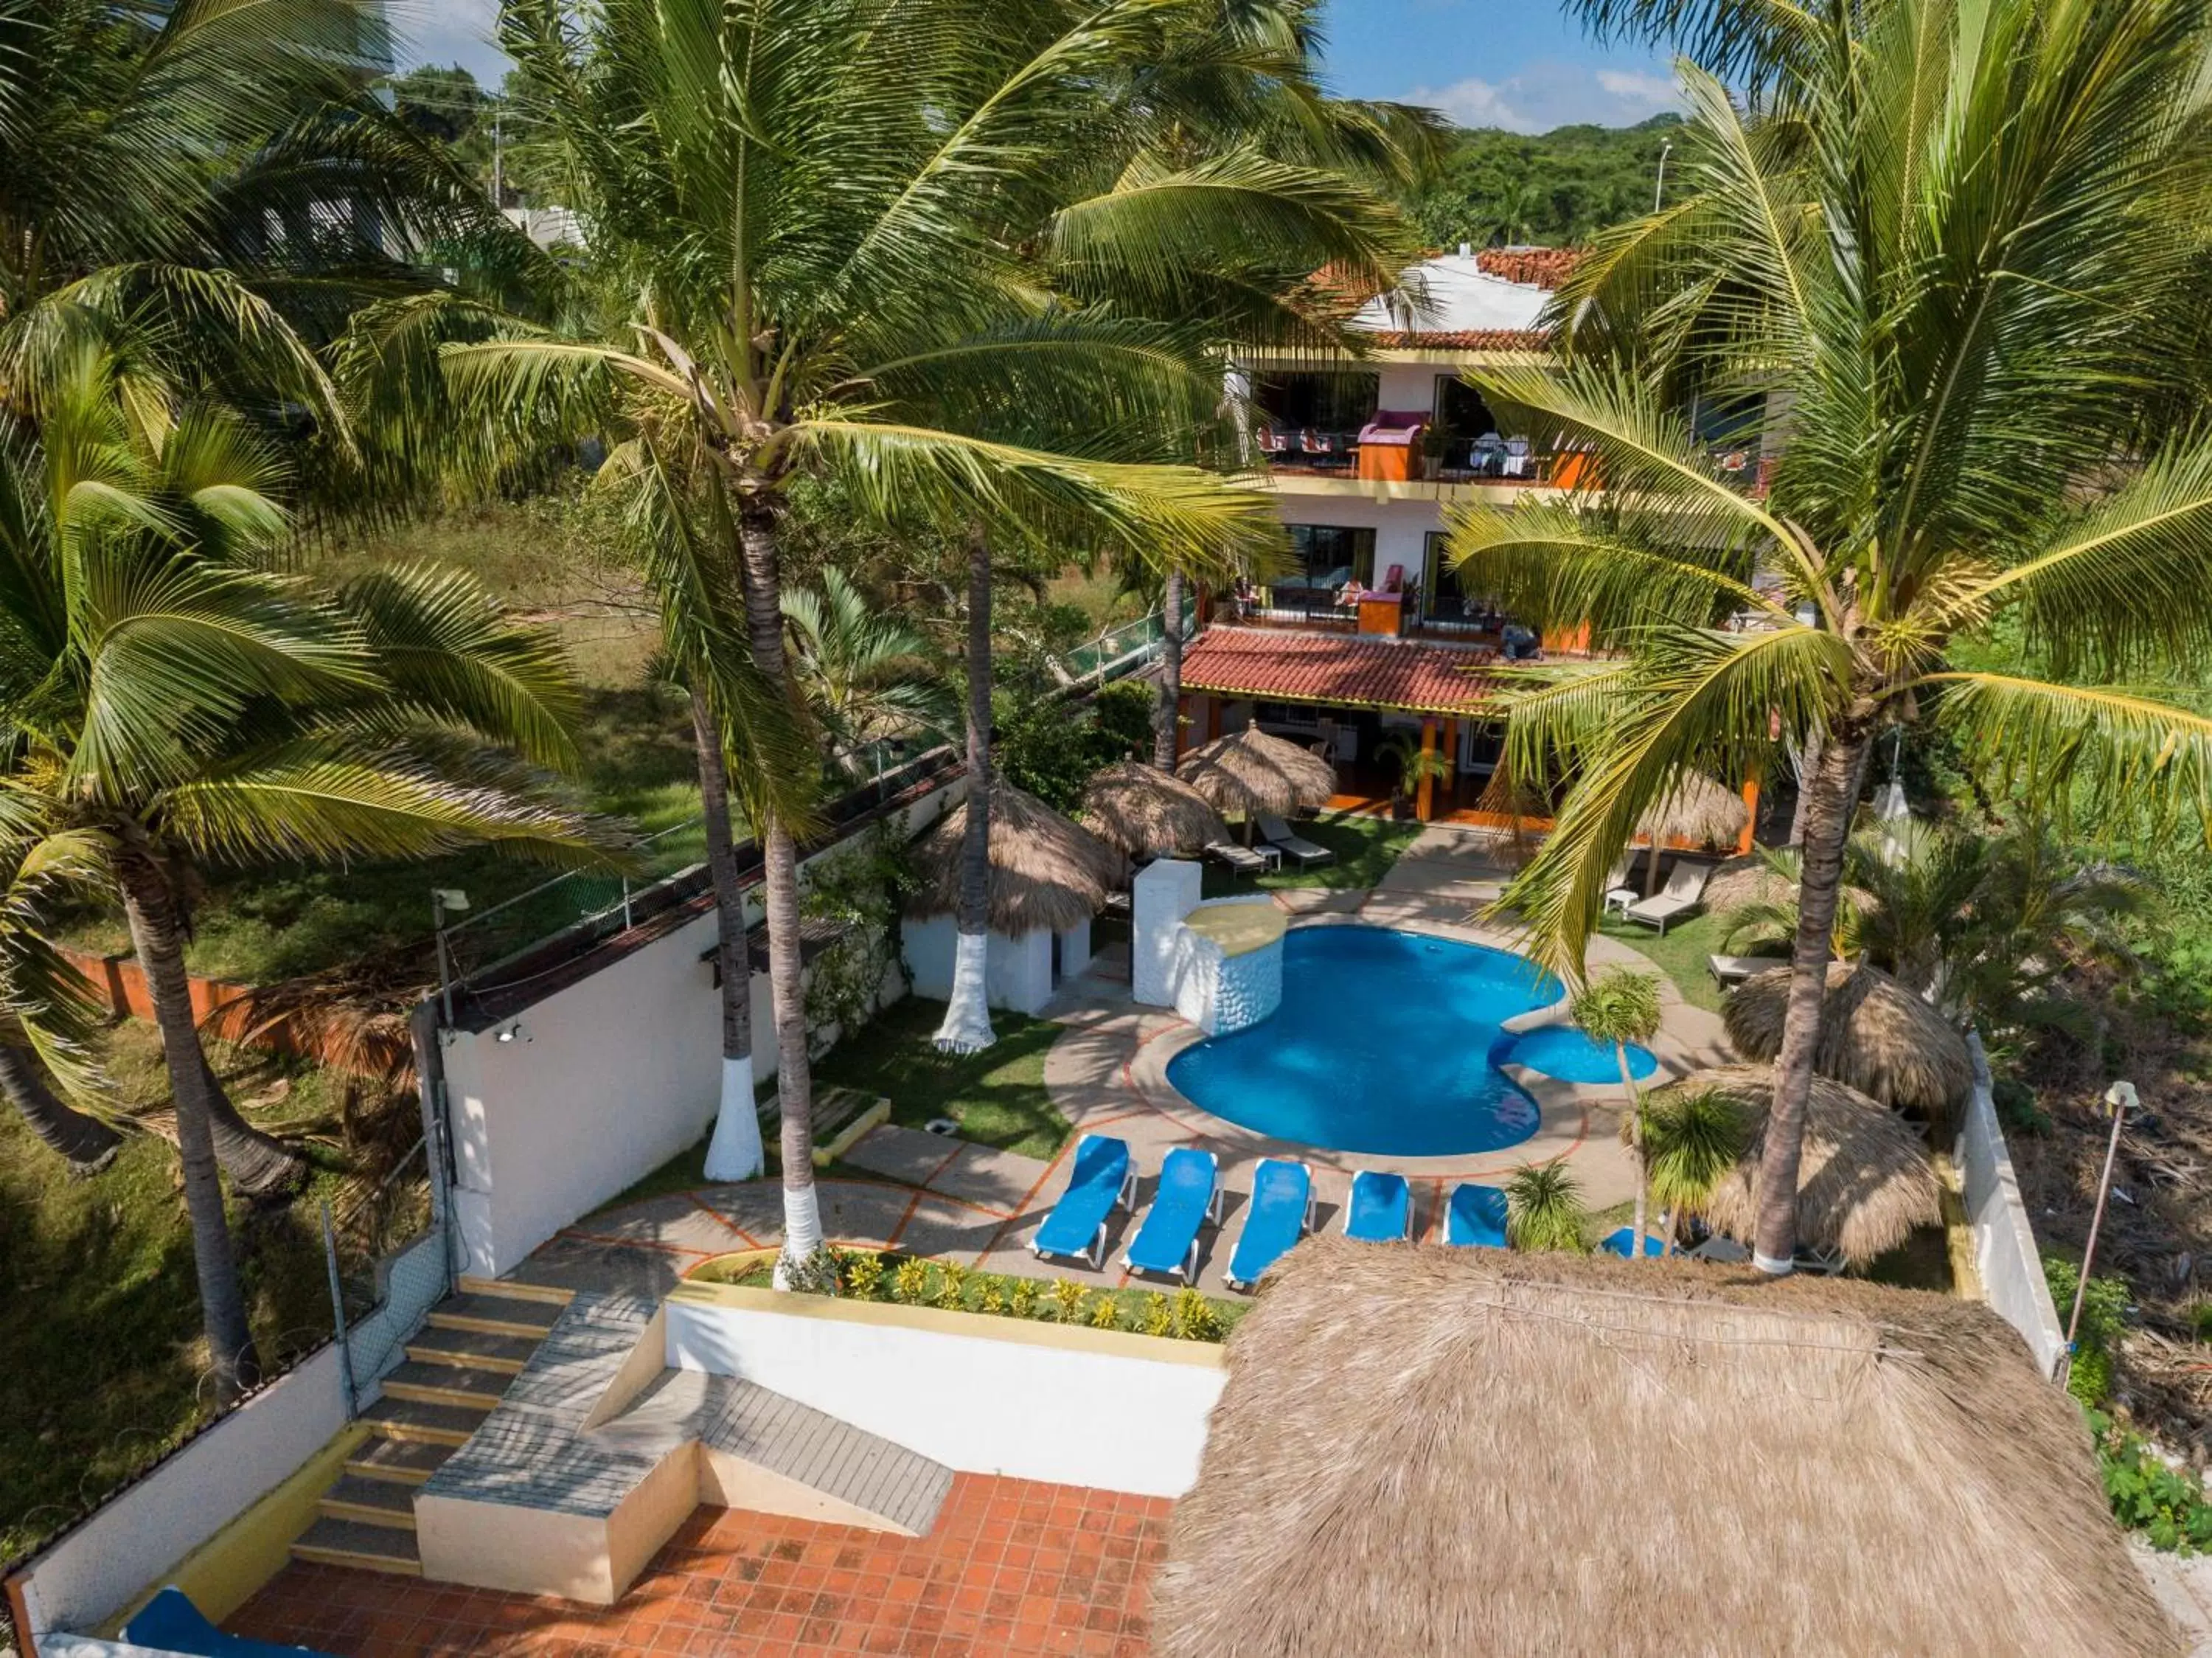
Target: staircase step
<point x="474" y="1348"/>
<point x="496" y="1315"/>
<point x="397" y="1461"/>
<point x="516" y="1289"/>
<point x="371" y="1502"/>
<point x="412" y="1419"/>
<point x="447" y="1384"/>
<point x="347" y="1543"/>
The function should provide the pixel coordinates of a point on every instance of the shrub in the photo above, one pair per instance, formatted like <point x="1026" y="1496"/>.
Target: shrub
<point x="1159" y="1318"/>
<point x="1544" y="1208"/>
<point x="815" y="1275"/>
<point x="1022" y="1303"/>
<point x="910" y="1281"/>
<point x="952" y="1287"/>
<point x="2167" y="1506"/>
<point x="1123" y="715"/>
<point x="2104" y="1317"/>
<point x="1106" y="1315"/>
<point x="1067" y="1298"/>
<point x="994" y="1298"/>
<point x="864" y="1275"/>
<point x="2017" y="1110"/>
<point x="1195" y="1319"/>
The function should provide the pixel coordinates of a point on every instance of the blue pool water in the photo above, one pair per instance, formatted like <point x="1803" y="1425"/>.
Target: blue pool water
<point x="1563" y="1052"/>
<point x="1388" y="1043"/>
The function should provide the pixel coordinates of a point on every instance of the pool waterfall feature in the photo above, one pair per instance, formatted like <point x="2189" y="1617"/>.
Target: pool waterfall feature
<point x="1353" y="1037"/>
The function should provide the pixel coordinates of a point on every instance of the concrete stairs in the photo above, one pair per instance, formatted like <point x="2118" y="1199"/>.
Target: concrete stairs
<point x="456" y="1370"/>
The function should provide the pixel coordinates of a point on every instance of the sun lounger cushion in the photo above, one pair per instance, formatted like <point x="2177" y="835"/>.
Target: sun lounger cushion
<point x="1279" y="836"/>
<point x="1380" y="1209"/>
<point x="1190" y="1192"/>
<point x="1281" y="1213"/>
<point x="171" y="1623"/>
<point x="1099" y="1183"/>
<point x="1477" y="1216"/>
<point x="1242" y="859"/>
<point x="1616" y="1243"/>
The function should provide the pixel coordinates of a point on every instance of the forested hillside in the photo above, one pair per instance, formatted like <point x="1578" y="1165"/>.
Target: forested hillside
<point x="1557" y="188"/>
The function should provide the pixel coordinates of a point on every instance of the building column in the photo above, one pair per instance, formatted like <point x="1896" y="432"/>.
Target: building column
<point x="1743" y="843"/>
<point x="1423" y="800"/>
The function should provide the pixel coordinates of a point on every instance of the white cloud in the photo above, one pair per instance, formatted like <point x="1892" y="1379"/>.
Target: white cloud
<point x="1542" y="95"/>
<point x="450" y="32"/>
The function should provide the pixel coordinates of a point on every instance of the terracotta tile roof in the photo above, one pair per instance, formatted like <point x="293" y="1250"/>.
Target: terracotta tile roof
<point x="1462" y="339"/>
<point x="1343" y="668"/>
<point x="1541" y="267"/>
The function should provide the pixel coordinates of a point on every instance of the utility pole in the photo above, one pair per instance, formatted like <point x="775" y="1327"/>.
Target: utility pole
<point x="499" y="158"/>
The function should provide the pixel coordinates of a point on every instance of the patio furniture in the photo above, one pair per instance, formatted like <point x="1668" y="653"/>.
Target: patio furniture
<point x="1725" y="1251"/>
<point x="1189" y="1196"/>
<point x="1619" y="894"/>
<point x="171" y="1623"/>
<point x="1476" y="1219"/>
<point x="1683" y="894"/>
<point x="1380" y="1209"/>
<point x="1282" y="1212"/>
<point x="1729" y="970"/>
<point x="1102" y="1181"/>
<point x="1241" y="860"/>
<point x="1617" y="1243"/>
<point x="1277" y="834"/>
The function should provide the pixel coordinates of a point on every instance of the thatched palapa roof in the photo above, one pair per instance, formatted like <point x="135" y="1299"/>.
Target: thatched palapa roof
<point x="1875" y="1035"/>
<point x="1047" y="870"/>
<point x="1699" y="811"/>
<point x="1424" y="1450"/>
<point x="1863" y="1181"/>
<point x="1249" y="772"/>
<point x="1149" y="813"/>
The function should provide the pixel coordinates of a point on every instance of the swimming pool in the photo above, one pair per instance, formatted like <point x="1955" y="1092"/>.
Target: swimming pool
<point x="1388" y="1043"/>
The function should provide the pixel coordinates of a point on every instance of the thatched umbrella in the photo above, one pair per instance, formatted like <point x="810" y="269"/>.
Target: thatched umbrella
<point x="1249" y="772"/>
<point x="1699" y="811"/>
<point x="1047" y="870"/>
<point x="1876" y="1035"/>
<point x="1148" y="813"/>
<point x="1864" y="1181"/>
<point x="1735" y="883"/>
<point x="1561" y="1453"/>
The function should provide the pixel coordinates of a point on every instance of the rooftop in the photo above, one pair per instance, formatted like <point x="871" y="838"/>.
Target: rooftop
<point x="1468" y="301"/>
<point x="1363" y="671"/>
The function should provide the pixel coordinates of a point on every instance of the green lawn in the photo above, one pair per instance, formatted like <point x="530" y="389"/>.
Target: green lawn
<point x="99" y="1312"/>
<point x="1680" y="955"/>
<point x="1365" y="848"/>
<point x="997" y="1097"/>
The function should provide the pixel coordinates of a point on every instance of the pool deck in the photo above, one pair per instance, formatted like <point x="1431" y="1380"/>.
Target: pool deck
<point x="959" y="1201"/>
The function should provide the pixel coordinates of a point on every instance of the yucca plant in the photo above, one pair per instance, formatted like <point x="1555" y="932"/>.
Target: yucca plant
<point x="1692" y="1137"/>
<point x="1544" y="1208"/>
<point x="172" y="698"/>
<point x="1620" y="1008"/>
<point x="1956" y="257"/>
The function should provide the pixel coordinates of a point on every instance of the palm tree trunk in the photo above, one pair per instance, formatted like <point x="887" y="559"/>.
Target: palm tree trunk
<point x="794" y="1072"/>
<point x="255" y="1162"/>
<point x="1635" y="1150"/>
<point x="967" y="1027"/>
<point x="1827" y="823"/>
<point x="1166" y="722"/>
<point x="88" y="1143"/>
<point x="735" y="1153"/>
<point x="158" y="941"/>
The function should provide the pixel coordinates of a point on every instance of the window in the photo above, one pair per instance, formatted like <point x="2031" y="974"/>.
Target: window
<point x="1462" y="415"/>
<point x="1318" y="402"/>
<point x="1324" y="559"/>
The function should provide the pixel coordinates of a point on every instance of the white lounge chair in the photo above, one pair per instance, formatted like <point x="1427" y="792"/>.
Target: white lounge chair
<point x="1241" y="860"/>
<point x="1619" y="894"/>
<point x="1683" y="894"/>
<point x="1277" y="834"/>
<point x="1729" y="970"/>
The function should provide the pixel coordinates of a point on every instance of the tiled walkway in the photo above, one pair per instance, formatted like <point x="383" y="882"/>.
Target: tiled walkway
<point x="1010" y="1568"/>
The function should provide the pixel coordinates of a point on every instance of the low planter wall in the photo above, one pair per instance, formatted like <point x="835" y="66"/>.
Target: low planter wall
<point x="1058" y="1403"/>
<point x="2005" y="1253"/>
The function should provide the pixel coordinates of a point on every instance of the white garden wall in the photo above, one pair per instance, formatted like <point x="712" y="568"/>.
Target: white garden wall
<point x="556" y="1110"/>
<point x="2005" y="1253"/>
<point x="1027" y="1401"/>
<point x="90" y="1574"/>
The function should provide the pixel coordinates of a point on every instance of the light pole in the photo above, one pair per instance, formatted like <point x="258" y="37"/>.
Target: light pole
<point x="2121" y="1097"/>
<point x="1659" y="189"/>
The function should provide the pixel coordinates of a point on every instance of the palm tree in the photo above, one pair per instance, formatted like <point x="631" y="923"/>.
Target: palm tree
<point x="1618" y="1008"/>
<point x="869" y="240"/>
<point x="1692" y="1137"/>
<point x="1544" y="1208"/>
<point x="48" y="1010"/>
<point x="1960" y="266"/>
<point x="172" y="699"/>
<point x="865" y="675"/>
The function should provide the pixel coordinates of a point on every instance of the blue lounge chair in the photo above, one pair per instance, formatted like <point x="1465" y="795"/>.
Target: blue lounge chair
<point x="1616" y="1243"/>
<point x="1282" y="1212"/>
<point x="171" y="1623"/>
<point x="1102" y="1182"/>
<point x="1189" y="1196"/>
<point x="1477" y="1217"/>
<point x="1380" y="1209"/>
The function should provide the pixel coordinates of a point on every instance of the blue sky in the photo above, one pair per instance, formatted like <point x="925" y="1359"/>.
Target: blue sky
<point x="1485" y="63"/>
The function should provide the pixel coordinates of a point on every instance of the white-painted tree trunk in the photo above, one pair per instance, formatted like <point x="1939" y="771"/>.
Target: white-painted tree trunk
<point x="967" y="1027"/>
<point x="735" y="1153"/>
<point x="802" y="1231"/>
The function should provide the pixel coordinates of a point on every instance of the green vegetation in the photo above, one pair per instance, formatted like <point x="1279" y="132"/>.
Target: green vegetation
<point x="1681" y="954"/>
<point x="997" y="1097"/>
<point x="1544" y="1210"/>
<point x="1557" y="189"/>
<point x="1366" y="847"/>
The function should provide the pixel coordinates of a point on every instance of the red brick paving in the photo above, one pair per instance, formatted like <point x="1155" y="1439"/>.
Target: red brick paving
<point x="1010" y="1567"/>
